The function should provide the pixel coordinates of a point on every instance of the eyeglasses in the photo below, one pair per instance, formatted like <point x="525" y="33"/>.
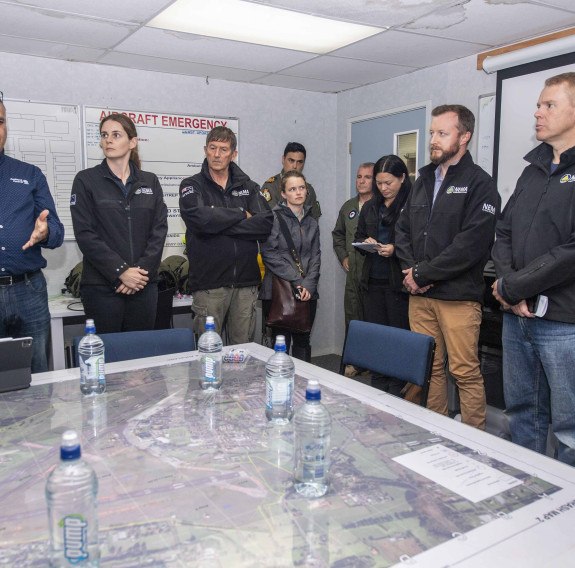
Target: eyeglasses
<point x="1" y="97"/>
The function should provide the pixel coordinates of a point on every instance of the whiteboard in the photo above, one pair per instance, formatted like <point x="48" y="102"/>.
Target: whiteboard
<point x="48" y="136"/>
<point x="170" y="145"/>
<point x="518" y="96"/>
<point x="485" y="132"/>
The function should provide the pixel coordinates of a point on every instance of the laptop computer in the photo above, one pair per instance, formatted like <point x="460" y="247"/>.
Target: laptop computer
<point x="15" y="363"/>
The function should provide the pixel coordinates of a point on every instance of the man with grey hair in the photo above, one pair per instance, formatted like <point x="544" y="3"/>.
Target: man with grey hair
<point x="28" y="223"/>
<point x="534" y="256"/>
<point x="225" y="217"/>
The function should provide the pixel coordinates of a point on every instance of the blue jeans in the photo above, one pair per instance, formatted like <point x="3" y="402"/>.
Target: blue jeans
<point x="539" y="382"/>
<point x="24" y="312"/>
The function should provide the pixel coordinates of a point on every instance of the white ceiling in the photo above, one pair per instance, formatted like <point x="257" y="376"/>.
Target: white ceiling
<point x="414" y="34"/>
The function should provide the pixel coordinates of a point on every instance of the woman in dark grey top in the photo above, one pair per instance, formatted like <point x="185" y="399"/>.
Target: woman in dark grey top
<point x="278" y="260"/>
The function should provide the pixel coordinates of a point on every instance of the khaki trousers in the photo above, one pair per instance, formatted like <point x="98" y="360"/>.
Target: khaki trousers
<point x="233" y="307"/>
<point x="455" y="327"/>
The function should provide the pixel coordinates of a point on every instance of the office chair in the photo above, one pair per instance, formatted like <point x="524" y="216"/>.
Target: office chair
<point x="137" y="344"/>
<point x="391" y="351"/>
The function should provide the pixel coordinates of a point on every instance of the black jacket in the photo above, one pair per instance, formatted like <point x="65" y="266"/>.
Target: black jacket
<point x="535" y="248"/>
<point x="277" y="256"/>
<point x="221" y="242"/>
<point x="448" y="244"/>
<point x="115" y="232"/>
<point x="367" y="226"/>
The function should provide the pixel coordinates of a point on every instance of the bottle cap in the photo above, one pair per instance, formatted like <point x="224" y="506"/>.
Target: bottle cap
<point x="90" y="326"/>
<point x="313" y="391"/>
<point x="70" y="446"/>
<point x="210" y="323"/>
<point x="280" y="343"/>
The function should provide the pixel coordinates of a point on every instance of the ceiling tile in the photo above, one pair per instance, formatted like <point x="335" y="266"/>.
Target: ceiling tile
<point x="35" y="23"/>
<point x="304" y="84"/>
<point x="339" y="69"/>
<point x="211" y="51"/>
<point x="493" y="23"/>
<point x="49" y="49"/>
<point x="137" y="11"/>
<point x="372" y="13"/>
<point x="409" y="49"/>
<point x="179" y="67"/>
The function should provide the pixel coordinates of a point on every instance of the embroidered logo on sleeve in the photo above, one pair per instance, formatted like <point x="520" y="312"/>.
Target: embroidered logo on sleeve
<point x="266" y="194"/>
<point x="352" y="214"/>
<point x="188" y="191"/>
<point x="488" y="208"/>
<point x="73" y="199"/>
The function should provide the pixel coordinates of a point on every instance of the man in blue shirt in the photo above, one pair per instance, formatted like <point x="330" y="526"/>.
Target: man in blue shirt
<point x="28" y="221"/>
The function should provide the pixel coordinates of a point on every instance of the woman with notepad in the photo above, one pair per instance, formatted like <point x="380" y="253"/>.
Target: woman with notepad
<point x="385" y="301"/>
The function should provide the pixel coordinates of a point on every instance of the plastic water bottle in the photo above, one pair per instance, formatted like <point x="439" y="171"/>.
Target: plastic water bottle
<point x="312" y="425"/>
<point x="210" y="347"/>
<point x="91" y="355"/>
<point x="280" y="372"/>
<point x="72" y="496"/>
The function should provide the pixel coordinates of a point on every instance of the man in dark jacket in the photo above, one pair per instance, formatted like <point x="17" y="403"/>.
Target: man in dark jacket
<point x="225" y="216"/>
<point x="443" y="239"/>
<point x="534" y="256"/>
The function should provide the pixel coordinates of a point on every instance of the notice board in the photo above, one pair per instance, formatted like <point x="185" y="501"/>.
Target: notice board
<point x="48" y="135"/>
<point x="170" y="145"/>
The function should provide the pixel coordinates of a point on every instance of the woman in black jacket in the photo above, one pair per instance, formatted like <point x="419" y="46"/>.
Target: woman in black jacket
<point x="120" y="223"/>
<point x="276" y="255"/>
<point x="385" y="300"/>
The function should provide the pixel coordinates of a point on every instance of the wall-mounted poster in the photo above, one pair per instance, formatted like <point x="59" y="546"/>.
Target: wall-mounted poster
<point x="170" y="145"/>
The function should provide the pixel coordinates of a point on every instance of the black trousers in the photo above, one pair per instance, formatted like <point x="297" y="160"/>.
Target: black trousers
<point x="385" y="306"/>
<point x="301" y="347"/>
<point x="113" y="312"/>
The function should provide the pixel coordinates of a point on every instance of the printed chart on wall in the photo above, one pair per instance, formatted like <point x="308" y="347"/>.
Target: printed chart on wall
<point x="48" y="136"/>
<point x="170" y="145"/>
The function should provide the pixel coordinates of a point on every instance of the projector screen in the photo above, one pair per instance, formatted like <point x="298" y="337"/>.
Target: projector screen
<point x="518" y="90"/>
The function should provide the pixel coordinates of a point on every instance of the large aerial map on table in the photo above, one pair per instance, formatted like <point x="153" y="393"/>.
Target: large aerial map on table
<point x="192" y="478"/>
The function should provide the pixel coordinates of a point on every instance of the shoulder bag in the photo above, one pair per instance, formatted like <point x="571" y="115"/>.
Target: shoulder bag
<point x="287" y="311"/>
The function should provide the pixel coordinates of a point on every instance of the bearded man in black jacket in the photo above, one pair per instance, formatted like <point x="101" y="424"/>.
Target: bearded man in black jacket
<point x="443" y="240"/>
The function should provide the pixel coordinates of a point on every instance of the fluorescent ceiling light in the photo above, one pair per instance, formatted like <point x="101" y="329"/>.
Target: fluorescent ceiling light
<point x="263" y="25"/>
<point x="529" y="54"/>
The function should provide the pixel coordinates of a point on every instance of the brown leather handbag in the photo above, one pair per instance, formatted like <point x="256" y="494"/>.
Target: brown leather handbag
<point x="287" y="311"/>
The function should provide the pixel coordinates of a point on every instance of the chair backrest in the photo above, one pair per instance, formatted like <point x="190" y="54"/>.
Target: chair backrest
<point x="137" y="344"/>
<point x="391" y="351"/>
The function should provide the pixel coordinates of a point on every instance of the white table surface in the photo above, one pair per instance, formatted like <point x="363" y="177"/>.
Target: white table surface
<point x="539" y="534"/>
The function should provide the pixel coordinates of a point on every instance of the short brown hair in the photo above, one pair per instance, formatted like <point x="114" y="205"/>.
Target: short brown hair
<point x="568" y="79"/>
<point x="222" y="134"/>
<point x="465" y="118"/>
<point x="290" y="174"/>
<point x="130" y="128"/>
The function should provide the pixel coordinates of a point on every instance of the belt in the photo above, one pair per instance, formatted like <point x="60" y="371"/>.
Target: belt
<point x="14" y="279"/>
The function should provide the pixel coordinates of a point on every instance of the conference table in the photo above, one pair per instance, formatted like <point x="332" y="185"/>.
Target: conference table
<point x="66" y="310"/>
<point x="197" y="478"/>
